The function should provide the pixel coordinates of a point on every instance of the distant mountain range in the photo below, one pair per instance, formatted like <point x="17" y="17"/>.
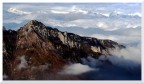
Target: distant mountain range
<point x="36" y="51"/>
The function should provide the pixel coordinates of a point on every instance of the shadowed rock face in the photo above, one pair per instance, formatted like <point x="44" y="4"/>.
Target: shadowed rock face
<point x="36" y="51"/>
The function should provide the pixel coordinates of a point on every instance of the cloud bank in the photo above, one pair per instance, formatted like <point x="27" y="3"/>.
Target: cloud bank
<point x="128" y="58"/>
<point x="76" y="69"/>
<point x="104" y="21"/>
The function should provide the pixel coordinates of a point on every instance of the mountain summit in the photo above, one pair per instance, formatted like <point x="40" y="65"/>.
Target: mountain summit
<point x="36" y="51"/>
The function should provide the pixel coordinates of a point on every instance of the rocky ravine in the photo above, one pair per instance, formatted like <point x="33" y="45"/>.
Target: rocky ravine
<point x="36" y="51"/>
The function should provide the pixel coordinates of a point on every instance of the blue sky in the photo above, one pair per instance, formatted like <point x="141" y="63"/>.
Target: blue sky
<point x="120" y="22"/>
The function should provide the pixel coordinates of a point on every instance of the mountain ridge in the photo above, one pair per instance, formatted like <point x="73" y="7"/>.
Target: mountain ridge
<point x="43" y="46"/>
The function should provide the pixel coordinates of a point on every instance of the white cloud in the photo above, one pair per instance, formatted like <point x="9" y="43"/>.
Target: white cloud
<point x="76" y="69"/>
<point x="101" y="25"/>
<point x="5" y="76"/>
<point x="59" y="12"/>
<point x="132" y="25"/>
<point x="130" y="53"/>
<point x="99" y="36"/>
<point x="106" y="14"/>
<point x="41" y="67"/>
<point x="92" y="62"/>
<point x="105" y="24"/>
<point x="123" y="38"/>
<point x="136" y="14"/>
<point x="67" y="10"/>
<point x="16" y="11"/>
<point x="128" y="58"/>
<point x="74" y="9"/>
<point x="21" y="19"/>
<point x="23" y="62"/>
<point x="59" y="8"/>
<point x="73" y="15"/>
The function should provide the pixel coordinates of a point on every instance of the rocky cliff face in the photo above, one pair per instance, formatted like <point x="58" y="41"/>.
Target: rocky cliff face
<point x="36" y="51"/>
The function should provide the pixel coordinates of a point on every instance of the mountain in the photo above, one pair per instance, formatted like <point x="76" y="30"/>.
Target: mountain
<point x="36" y="51"/>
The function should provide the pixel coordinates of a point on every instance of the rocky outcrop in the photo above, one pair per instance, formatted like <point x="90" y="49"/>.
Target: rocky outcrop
<point x="36" y="51"/>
